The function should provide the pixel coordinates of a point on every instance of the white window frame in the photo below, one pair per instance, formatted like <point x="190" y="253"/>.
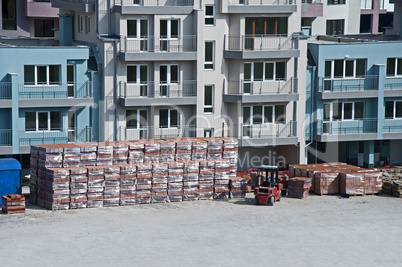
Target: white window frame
<point x="263" y="115"/>
<point x="48" y="121"/>
<point x="212" y="100"/>
<point x="169" y="29"/>
<point x="138" y="71"/>
<point x="87" y="24"/>
<point x="344" y="69"/>
<point x="138" y="29"/>
<point x="395" y="75"/>
<point x="393" y="111"/>
<point x="138" y="126"/>
<point x="263" y="71"/>
<point x="213" y="56"/>
<point x="331" y="111"/>
<point x="169" y="115"/>
<point x="47" y="76"/>
<point x="169" y="73"/>
<point x="209" y="16"/>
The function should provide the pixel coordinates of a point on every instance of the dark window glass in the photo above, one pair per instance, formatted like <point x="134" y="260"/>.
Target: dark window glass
<point x="44" y="28"/>
<point x="246" y="115"/>
<point x="349" y="68"/>
<point x="389" y="109"/>
<point x="398" y="109"/>
<point x="144" y="28"/>
<point x="249" y="26"/>
<point x="131" y="28"/>
<point x="269" y="71"/>
<point x="41" y="75"/>
<point x="29" y="74"/>
<point x="208" y="96"/>
<point x="174" y="118"/>
<point x="174" y="74"/>
<point x="174" y="28"/>
<point x="54" y="74"/>
<point x="131" y="74"/>
<point x="268" y="114"/>
<point x="9" y="15"/>
<point x="360" y="67"/>
<point x="247" y="72"/>
<point x="163" y="74"/>
<point x="347" y="111"/>
<point x="390" y="66"/>
<point x="327" y="108"/>
<point x="338" y="69"/>
<point x="337" y="111"/>
<point x="359" y="110"/>
<point x="258" y="71"/>
<point x="328" y="69"/>
<point x="55" y="120"/>
<point x="143" y="74"/>
<point x="30" y="121"/>
<point x="143" y="118"/>
<point x="164" y="118"/>
<point x="131" y="119"/>
<point x="399" y="66"/>
<point x="271" y="26"/>
<point x="70" y="73"/>
<point x="282" y="24"/>
<point x="259" y="26"/>
<point x="209" y="10"/>
<point x="43" y="121"/>
<point x="257" y="114"/>
<point x="280" y="71"/>
<point x="280" y="114"/>
<point x="209" y="13"/>
<point x="209" y="51"/>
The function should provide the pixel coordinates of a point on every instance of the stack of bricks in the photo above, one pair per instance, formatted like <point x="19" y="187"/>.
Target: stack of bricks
<point x="175" y="181"/>
<point x="339" y="178"/>
<point x="68" y="176"/>
<point x="13" y="203"/>
<point x="206" y="180"/>
<point x="221" y="181"/>
<point x="237" y="187"/>
<point x="298" y="187"/>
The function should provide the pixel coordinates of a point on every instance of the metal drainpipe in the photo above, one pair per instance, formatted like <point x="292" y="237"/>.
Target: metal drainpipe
<point x="115" y="90"/>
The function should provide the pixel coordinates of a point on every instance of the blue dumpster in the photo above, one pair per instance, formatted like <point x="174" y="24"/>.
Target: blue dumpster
<point x="10" y="177"/>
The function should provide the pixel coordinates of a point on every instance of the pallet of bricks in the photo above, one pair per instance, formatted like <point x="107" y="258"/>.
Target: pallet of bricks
<point x="392" y="181"/>
<point x="13" y="203"/>
<point x="87" y="175"/>
<point x="339" y="178"/>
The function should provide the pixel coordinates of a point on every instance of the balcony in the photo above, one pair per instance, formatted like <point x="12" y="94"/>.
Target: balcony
<point x="271" y="134"/>
<point x="40" y="9"/>
<point x="154" y="94"/>
<point x="392" y="129"/>
<point x="155" y="7"/>
<point x="393" y="87"/>
<point x="61" y="94"/>
<point x="5" y="141"/>
<point x="75" y="5"/>
<point x="348" y="87"/>
<point x="5" y="90"/>
<point x="158" y="49"/>
<point x="245" y="47"/>
<point x="258" y="6"/>
<point x="351" y="130"/>
<point x="312" y="8"/>
<point x="150" y="132"/>
<point x="261" y="91"/>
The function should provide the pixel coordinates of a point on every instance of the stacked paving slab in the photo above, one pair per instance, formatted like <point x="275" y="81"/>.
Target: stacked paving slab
<point x="392" y="181"/>
<point x="13" y="203"/>
<point x="90" y="175"/>
<point x="339" y="178"/>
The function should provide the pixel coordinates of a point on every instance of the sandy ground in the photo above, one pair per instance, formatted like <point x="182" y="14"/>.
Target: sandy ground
<point x="317" y="231"/>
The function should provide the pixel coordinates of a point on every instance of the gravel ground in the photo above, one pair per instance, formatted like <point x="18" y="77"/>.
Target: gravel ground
<point x="317" y="231"/>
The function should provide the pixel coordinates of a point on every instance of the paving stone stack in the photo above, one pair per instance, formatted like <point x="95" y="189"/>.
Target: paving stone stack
<point x="237" y="187"/>
<point x="326" y="183"/>
<point x="351" y="183"/>
<point x="88" y="175"/>
<point x="299" y="187"/>
<point x="392" y="178"/>
<point x="13" y="203"/>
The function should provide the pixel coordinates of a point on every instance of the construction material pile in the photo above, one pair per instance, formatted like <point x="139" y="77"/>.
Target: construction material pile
<point x="298" y="187"/>
<point x="392" y="181"/>
<point x="339" y="178"/>
<point x="13" y="203"/>
<point x="71" y="176"/>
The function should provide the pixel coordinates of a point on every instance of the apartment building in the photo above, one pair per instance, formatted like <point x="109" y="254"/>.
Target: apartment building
<point x="330" y="17"/>
<point x="175" y="68"/>
<point x="354" y="105"/>
<point x="28" y="18"/>
<point x="47" y="95"/>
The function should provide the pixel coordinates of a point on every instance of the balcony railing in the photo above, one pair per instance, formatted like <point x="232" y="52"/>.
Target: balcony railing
<point x="158" y="90"/>
<point x="187" y="43"/>
<point x="55" y="91"/>
<point x="261" y="2"/>
<point x="5" y="137"/>
<point x="259" y="43"/>
<point x="392" y="126"/>
<point x="348" y="84"/>
<point x="261" y="87"/>
<point x="71" y="135"/>
<point x="158" y="3"/>
<point x="261" y="131"/>
<point x="347" y="127"/>
<point x="393" y="83"/>
<point x="5" y="90"/>
<point x="148" y="132"/>
<point x="80" y="1"/>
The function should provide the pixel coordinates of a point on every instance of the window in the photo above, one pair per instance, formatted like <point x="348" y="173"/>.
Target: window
<point x="80" y="23"/>
<point x="336" y="2"/>
<point x="169" y="118"/>
<point x="43" y="121"/>
<point x="44" y="28"/>
<point x="136" y="119"/>
<point x="70" y="80"/>
<point x="393" y="109"/>
<point x="138" y="74"/>
<point x="137" y="28"/>
<point x="41" y="75"/>
<point x="209" y="15"/>
<point x="349" y="68"/>
<point x="87" y="24"/>
<point x="209" y="56"/>
<point x="169" y="30"/>
<point x="169" y="74"/>
<point x="208" y="132"/>
<point x="209" y="99"/>
<point x="259" y="71"/>
<point x="264" y="114"/>
<point x="394" y="67"/>
<point x="343" y="111"/>
<point x="335" y="26"/>
<point x="259" y="27"/>
<point x="9" y="15"/>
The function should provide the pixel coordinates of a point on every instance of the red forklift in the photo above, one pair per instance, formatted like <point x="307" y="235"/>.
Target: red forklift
<point x="267" y="191"/>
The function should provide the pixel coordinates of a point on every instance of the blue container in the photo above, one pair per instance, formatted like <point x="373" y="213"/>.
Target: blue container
<point x="10" y="177"/>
